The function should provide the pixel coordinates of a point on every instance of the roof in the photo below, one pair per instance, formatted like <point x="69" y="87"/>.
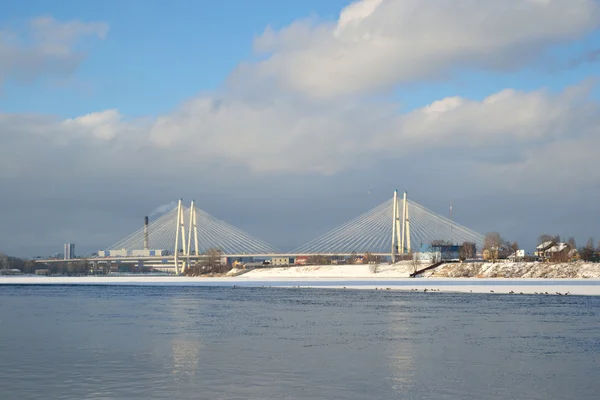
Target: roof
<point x="558" y="248"/>
<point x="546" y="245"/>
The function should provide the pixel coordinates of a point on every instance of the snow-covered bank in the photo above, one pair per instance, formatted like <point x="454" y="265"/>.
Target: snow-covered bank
<point x="517" y="270"/>
<point x="398" y="270"/>
<point x="451" y="270"/>
<point x="432" y="285"/>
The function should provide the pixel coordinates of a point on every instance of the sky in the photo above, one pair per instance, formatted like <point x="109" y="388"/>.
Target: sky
<point x="287" y="119"/>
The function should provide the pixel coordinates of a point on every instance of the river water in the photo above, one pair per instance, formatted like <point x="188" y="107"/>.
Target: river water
<point x="84" y="342"/>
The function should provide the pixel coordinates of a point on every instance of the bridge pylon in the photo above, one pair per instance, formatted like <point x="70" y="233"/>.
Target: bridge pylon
<point x="180" y="230"/>
<point x="400" y="227"/>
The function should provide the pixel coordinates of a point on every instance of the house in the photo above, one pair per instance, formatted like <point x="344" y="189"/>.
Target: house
<point x="496" y="253"/>
<point x="542" y="248"/>
<point x="556" y="252"/>
<point x="517" y="255"/>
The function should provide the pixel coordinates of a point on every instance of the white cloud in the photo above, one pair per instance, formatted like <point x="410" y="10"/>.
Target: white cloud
<point x="102" y="125"/>
<point x="46" y="46"/>
<point x="285" y="136"/>
<point x="379" y="43"/>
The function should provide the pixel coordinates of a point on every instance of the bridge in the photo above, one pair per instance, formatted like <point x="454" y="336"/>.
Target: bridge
<point x="394" y="228"/>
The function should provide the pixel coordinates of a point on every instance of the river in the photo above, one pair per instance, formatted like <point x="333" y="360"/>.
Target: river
<point x="153" y="342"/>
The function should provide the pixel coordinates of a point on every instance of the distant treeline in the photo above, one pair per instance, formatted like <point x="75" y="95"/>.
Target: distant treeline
<point x="30" y="266"/>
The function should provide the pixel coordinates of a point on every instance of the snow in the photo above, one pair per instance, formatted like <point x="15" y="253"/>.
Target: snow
<point x="545" y="245"/>
<point x="517" y="270"/>
<point x="399" y="270"/>
<point x="432" y="285"/>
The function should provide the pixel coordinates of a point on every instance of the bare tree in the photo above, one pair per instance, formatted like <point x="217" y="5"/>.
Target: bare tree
<point x="79" y="267"/>
<point x="416" y="263"/>
<point x="548" y="238"/>
<point x="4" y="263"/>
<point x="492" y="243"/>
<point x="571" y="243"/>
<point x="588" y="253"/>
<point x="514" y="247"/>
<point x="318" y="259"/>
<point x="214" y="260"/>
<point x="466" y="251"/>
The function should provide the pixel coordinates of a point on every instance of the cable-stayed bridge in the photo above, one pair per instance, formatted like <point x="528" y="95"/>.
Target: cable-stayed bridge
<point x="207" y="232"/>
<point x="376" y="231"/>
<point x="395" y="227"/>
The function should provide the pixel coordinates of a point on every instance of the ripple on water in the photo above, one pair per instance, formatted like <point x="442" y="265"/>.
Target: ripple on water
<point x="269" y="343"/>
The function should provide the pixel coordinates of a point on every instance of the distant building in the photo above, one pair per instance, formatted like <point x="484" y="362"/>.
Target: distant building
<point x="12" y="271"/>
<point x="69" y="251"/>
<point x="518" y="255"/>
<point x="427" y="256"/>
<point x="132" y="253"/>
<point x="301" y="260"/>
<point x="542" y="248"/>
<point x="278" y="261"/>
<point x="42" y="272"/>
<point x="556" y="252"/>
<point x="448" y="251"/>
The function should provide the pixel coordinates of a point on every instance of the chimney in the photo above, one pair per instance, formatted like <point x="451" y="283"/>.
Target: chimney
<point x="145" y="233"/>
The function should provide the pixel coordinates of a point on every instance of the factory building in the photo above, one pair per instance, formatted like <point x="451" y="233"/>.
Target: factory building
<point x="132" y="253"/>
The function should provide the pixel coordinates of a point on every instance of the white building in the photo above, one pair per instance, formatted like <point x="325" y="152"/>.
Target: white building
<point x="69" y="251"/>
<point x="278" y="261"/>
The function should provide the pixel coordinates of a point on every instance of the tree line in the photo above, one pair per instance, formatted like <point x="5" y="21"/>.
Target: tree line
<point x="79" y="267"/>
<point x="498" y="247"/>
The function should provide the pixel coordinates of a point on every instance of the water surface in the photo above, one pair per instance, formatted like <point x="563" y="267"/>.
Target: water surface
<point x="117" y="342"/>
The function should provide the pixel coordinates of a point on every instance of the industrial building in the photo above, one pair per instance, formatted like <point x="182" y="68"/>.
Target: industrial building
<point x="132" y="253"/>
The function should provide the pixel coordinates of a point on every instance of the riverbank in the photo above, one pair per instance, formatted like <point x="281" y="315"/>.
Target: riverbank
<point x="398" y="270"/>
<point x="589" y="287"/>
<point x="572" y="270"/>
<point x="575" y="270"/>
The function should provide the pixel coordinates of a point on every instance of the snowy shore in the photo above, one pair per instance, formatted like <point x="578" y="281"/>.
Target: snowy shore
<point x="398" y="270"/>
<point x="451" y="270"/>
<point x="465" y="285"/>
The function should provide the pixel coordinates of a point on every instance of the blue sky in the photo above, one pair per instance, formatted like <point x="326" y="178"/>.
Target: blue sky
<point x="157" y="55"/>
<point x="169" y="99"/>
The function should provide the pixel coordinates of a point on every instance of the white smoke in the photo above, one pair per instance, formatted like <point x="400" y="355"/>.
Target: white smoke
<point x="163" y="209"/>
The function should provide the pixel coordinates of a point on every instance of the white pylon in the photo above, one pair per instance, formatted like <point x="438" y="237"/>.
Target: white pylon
<point x="405" y="235"/>
<point x="403" y="240"/>
<point x="407" y="224"/>
<point x="192" y="228"/>
<point x="179" y="227"/>
<point x="397" y="248"/>
<point x="394" y="223"/>
<point x="397" y="226"/>
<point x="176" y="249"/>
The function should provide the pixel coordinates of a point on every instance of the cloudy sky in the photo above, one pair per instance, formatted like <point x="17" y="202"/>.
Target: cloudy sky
<point x="289" y="118"/>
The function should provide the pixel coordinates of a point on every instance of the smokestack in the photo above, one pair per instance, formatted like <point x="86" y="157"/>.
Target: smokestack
<point x="145" y="233"/>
